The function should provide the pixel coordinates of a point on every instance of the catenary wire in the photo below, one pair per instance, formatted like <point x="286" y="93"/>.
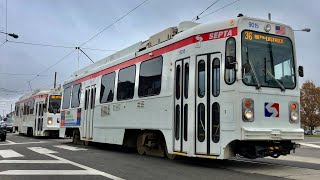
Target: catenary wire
<point x="114" y="22"/>
<point x="219" y="9"/>
<point x="215" y="2"/>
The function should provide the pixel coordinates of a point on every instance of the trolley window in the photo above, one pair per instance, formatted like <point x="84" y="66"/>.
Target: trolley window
<point x="215" y="77"/>
<point x="178" y="82"/>
<point x="107" y="87"/>
<point x="201" y="78"/>
<point x="186" y="80"/>
<point x="150" y="77"/>
<point x="126" y="80"/>
<point x="215" y="122"/>
<point x="201" y="123"/>
<point x="267" y="60"/>
<point x="54" y="104"/>
<point x="76" y="92"/>
<point x="66" y="98"/>
<point x="32" y="107"/>
<point x="230" y="69"/>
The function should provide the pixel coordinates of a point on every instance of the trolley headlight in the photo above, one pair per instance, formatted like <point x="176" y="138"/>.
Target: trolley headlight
<point x="49" y="120"/>
<point x="247" y="110"/>
<point x="248" y="114"/>
<point x="294" y="116"/>
<point x="293" y="112"/>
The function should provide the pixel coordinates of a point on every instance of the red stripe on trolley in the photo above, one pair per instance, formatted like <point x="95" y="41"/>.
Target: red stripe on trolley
<point x="32" y="98"/>
<point x="190" y="40"/>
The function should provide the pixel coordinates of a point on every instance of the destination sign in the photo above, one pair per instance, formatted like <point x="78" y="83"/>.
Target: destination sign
<point x="55" y="97"/>
<point x="248" y="35"/>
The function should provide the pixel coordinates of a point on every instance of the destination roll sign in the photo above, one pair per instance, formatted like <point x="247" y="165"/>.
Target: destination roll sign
<point x="249" y="35"/>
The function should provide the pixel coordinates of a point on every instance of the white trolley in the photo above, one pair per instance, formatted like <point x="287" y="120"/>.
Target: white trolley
<point x="38" y="113"/>
<point x="199" y="90"/>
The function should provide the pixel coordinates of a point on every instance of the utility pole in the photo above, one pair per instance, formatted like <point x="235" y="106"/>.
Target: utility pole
<point x="11" y="109"/>
<point x="55" y="80"/>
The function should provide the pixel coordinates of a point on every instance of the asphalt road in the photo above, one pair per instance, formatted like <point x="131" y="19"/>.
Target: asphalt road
<point x="26" y="158"/>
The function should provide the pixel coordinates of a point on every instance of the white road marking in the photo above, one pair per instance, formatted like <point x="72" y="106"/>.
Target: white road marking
<point x="299" y="159"/>
<point x="48" y="152"/>
<point x="97" y="172"/>
<point x="23" y="143"/>
<point x="31" y="162"/>
<point x="276" y="170"/>
<point x="71" y="148"/>
<point x="41" y="150"/>
<point x="310" y="145"/>
<point x="47" y="172"/>
<point x="9" y="153"/>
<point x="10" y="142"/>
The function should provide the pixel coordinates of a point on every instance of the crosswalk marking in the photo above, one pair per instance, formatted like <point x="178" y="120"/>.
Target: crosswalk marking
<point x="71" y="148"/>
<point x="41" y="150"/>
<point x="310" y="145"/>
<point x="48" y="172"/>
<point x="31" y="162"/>
<point x="299" y="159"/>
<point x="9" y="153"/>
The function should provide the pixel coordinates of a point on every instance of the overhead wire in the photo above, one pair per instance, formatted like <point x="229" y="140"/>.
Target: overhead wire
<point x="114" y="22"/>
<point x="17" y="74"/>
<point x="219" y="9"/>
<point x="55" y="46"/>
<point x="197" y="17"/>
<point x="75" y="48"/>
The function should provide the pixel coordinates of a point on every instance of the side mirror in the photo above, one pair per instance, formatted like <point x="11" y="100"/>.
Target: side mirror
<point x="300" y="71"/>
<point x="246" y="68"/>
<point x="230" y="62"/>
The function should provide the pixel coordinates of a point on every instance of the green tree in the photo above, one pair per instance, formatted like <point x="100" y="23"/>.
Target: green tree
<point x="310" y="104"/>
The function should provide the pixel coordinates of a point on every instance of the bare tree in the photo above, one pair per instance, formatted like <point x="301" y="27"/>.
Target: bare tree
<point x="310" y="104"/>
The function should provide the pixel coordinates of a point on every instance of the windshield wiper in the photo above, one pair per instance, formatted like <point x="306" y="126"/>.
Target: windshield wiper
<point x="280" y="85"/>
<point x="253" y="70"/>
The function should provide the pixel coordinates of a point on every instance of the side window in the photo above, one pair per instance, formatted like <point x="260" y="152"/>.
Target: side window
<point x="32" y="107"/>
<point x="201" y="78"/>
<point x="230" y="69"/>
<point x="186" y="80"/>
<point x="126" y="80"/>
<point x="66" y="98"/>
<point x="215" y="77"/>
<point x="150" y="77"/>
<point x="107" y="87"/>
<point x="76" y="92"/>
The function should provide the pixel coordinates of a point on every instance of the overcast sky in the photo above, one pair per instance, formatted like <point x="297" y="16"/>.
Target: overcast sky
<point x="72" y="22"/>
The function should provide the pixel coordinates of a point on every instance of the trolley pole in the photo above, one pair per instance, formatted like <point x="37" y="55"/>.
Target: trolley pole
<point x="269" y="16"/>
<point x="55" y="80"/>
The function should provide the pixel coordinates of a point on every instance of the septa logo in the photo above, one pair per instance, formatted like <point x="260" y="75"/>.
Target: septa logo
<point x="271" y="109"/>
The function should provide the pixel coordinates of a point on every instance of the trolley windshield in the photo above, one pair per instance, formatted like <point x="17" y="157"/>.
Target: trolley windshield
<point x="54" y="104"/>
<point x="267" y="60"/>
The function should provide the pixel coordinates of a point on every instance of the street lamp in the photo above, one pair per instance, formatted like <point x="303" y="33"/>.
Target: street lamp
<point x="304" y="30"/>
<point x="10" y="34"/>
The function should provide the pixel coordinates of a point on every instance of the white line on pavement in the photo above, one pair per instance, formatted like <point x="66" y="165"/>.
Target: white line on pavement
<point x="47" y="172"/>
<point x="31" y="162"/>
<point x="71" y="148"/>
<point x="298" y="159"/>
<point x="86" y="167"/>
<point x="10" y="142"/>
<point x="23" y="143"/>
<point x="48" y="152"/>
<point x="41" y="150"/>
<point x="310" y="145"/>
<point x="9" y="153"/>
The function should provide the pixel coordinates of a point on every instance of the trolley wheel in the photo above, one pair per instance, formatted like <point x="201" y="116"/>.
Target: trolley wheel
<point x="75" y="137"/>
<point x="86" y="143"/>
<point x="141" y="149"/>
